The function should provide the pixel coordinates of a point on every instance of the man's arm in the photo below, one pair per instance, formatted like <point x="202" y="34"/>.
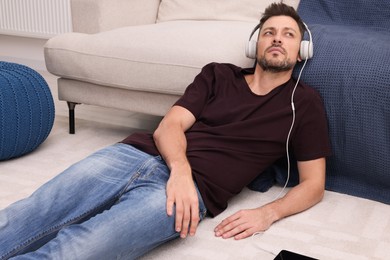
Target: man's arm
<point x="306" y="194"/>
<point x="172" y="144"/>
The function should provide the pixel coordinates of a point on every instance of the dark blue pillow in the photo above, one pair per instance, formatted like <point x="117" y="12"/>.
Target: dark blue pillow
<point x="276" y="174"/>
<point x="371" y="14"/>
<point x="351" y="71"/>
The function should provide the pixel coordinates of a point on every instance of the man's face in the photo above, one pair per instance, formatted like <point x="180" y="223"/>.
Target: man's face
<point x="278" y="44"/>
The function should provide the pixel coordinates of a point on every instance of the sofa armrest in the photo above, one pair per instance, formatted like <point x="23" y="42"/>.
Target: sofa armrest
<point x="92" y="16"/>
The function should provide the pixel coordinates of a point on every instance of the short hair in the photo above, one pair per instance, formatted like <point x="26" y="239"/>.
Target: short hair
<point x="281" y="9"/>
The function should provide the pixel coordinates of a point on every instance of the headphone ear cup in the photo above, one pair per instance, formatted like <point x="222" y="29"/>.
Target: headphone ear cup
<point x="306" y="51"/>
<point x="251" y="49"/>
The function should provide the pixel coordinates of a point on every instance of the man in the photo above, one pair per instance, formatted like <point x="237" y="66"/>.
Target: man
<point x="228" y="127"/>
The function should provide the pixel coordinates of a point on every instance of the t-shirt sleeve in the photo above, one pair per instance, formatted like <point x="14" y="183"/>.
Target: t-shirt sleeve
<point x="199" y="91"/>
<point x="311" y="139"/>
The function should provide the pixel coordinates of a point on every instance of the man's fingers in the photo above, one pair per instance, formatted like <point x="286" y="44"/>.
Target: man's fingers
<point x="226" y="224"/>
<point x="170" y="203"/>
<point x="231" y="226"/>
<point x="190" y="219"/>
<point x="179" y="217"/>
<point x="187" y="218"/>
<point x="194" y="218"/>
<point x="247" y="233"/>
<point x="228" y="229"/>
<point x="185" y="221"/>
<point x="241" y="225"/>
<point x="184" y="204"/>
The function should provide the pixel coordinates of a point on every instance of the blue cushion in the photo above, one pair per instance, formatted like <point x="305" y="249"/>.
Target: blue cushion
<point x="276" y="174"/>
<point x="371" y="14"/>
<point x="26" y="110"/>
<point x="351" y="70"/>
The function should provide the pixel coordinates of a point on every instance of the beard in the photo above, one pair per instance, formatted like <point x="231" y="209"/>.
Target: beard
<point x="275" y="66"/>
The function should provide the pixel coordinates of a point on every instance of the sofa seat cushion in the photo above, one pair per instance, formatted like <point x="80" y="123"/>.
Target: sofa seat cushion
<point x="124" y="57"/>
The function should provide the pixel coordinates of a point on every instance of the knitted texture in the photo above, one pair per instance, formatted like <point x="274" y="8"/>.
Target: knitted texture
<point x="373" y="14"/>
<point x="26" y="110"/>
<point x="351" y="70"/>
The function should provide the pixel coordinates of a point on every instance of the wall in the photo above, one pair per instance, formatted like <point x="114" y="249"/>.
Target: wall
<point x="35" y="18"/>
<point x="24" y="50"/>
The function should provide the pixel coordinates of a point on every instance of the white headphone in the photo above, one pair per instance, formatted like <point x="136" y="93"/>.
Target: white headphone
<point x="305" y="52"/>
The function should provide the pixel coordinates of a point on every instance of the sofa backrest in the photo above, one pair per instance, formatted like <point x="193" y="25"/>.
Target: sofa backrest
<point x="230" y="10"/>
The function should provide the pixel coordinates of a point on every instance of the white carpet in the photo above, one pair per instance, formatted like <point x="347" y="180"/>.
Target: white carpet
<point x="340" y="227"/>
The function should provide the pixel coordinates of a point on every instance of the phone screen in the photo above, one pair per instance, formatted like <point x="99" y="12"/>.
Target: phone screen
<point x="288" y="255"/>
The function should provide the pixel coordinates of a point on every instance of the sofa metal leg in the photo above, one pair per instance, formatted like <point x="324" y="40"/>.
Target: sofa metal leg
<point x="71" y="107"/>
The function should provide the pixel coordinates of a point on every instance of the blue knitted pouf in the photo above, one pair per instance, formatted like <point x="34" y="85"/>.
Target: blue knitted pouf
<point x="26" y="110"/>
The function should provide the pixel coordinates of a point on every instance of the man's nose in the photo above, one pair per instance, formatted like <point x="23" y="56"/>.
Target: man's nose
<point x="277" y="41"/>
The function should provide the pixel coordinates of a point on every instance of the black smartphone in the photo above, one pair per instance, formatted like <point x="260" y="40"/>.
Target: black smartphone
<point x="288" y="255"/>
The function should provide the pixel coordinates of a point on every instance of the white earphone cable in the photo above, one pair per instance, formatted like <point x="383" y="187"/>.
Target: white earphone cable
<point x="287" y="153"/>
<point x="289" y="133"/>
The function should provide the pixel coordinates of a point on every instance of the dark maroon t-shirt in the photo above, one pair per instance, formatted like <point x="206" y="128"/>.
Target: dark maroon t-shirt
<point x="238" y="134"/>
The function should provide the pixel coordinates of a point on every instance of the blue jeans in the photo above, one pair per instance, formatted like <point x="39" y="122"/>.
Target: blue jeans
<point x="111" y="205"/>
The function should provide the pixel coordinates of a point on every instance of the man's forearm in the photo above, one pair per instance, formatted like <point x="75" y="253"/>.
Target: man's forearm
<point x="172" y="145"/>
<point x="170" y="138"/>
<point x="306" y="194"/>
<point x="298" y="199"/>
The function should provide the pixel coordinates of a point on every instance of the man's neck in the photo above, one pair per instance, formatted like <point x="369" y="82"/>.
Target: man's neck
<point x="262" y="82"/>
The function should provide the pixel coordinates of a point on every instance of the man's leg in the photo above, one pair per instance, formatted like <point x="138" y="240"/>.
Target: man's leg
<point x="80" y="192"/>
<point x="134" y="225"/>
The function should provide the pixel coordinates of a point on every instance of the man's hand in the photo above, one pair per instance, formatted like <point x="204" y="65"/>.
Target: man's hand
<point x="245" y="223"/>
<point x="181" y="192"/>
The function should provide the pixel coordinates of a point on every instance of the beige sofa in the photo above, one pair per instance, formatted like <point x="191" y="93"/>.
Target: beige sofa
<point x="140" y="55"/>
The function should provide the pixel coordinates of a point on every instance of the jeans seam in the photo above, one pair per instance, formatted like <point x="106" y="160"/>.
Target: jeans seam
<point x="136" y="176"/>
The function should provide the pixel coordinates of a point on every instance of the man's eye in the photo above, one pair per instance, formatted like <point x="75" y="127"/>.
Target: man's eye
<point x="268" y="33"/>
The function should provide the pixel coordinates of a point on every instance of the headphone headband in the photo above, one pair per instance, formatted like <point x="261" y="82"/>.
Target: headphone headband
<point x="305" y="52"/>
<point x="254" y="30"/>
